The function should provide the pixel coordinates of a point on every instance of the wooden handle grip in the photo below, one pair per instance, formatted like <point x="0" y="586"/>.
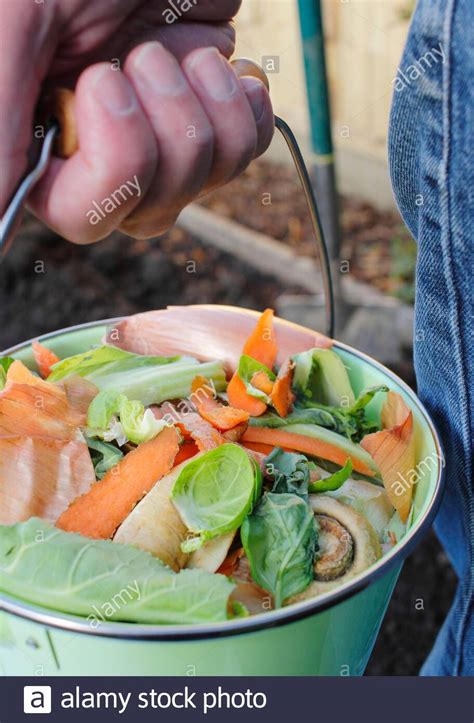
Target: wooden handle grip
<point x="58" y="106"/>
<point x="245" y="67"/>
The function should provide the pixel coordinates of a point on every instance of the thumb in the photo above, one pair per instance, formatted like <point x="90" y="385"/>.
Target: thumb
<point x="26" y="39"/>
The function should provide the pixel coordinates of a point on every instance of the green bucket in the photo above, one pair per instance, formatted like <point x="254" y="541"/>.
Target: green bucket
<point x="330" y="635"/>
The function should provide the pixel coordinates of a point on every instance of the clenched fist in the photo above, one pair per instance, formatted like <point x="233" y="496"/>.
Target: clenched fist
<point x="160" y="112"/>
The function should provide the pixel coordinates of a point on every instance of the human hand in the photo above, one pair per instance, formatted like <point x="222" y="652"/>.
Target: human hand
<point x="172" y="123"/>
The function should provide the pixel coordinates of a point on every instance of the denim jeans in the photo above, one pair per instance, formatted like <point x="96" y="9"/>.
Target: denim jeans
<point x="431" y="164"/>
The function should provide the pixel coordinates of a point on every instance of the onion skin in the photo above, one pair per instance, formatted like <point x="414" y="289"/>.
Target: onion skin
<point x="208" y="332"/>
<point x="212" y="554"/>
<point x="393" y="450"/>
<point x="155" y="525"/>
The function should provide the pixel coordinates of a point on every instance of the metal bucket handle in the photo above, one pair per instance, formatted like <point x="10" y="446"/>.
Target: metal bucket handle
<point x="58" y="114"/>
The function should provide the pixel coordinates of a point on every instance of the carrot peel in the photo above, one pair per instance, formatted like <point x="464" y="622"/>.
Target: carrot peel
<point x="44" y="358"/>
<point x="241" y="399"/>
<point x="99" y="512"/>
<point x="262" y="381"/>
<point x="282" y="397"/>
<point x="186" y="451"/>
<point x="221" y="417"/>
<point x="261" y="344"/>
<point x="301" y="443"/>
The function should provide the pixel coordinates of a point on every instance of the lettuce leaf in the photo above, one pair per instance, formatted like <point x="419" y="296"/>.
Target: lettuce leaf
<point x="104" y="456"/>
<point x="291" y="474"/>
<point x="136" y="424"/>
<point x="72" y="574"/>
<point x="101" y="410"/>
<point x="91" y="361"/>
<point x="322" y="417"/>
<point x="139" y="424"/>
<point x="148" y="379"/>
<point x="320" y="376"/>
<point x="5" y="364"/>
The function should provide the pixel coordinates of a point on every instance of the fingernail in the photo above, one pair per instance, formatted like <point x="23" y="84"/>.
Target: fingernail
<point x="214" y="73"/>
<point x="158" y="71"/>
<point x="113" y="91"/>
<point x="255" y="92"/>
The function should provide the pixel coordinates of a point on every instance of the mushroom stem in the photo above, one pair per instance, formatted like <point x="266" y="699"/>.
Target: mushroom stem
<point x="348" y="545"/>
<point x="336" y="548"/>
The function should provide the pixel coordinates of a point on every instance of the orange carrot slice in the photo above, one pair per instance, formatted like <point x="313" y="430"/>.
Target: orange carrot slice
<point x="393" y="450"/>
<point x="220" y="416"/>
<point x="44" y="358"/>
<point x="262" y="381"/>
<point x="186" y="451"/>
<point x="282" y="397"/>
<point x="307" y="445"/>
<point x="261" y="345"/>
<point x="258" y="447"/>
<point x="100" y="511"/>
<point x="239" y="398"/>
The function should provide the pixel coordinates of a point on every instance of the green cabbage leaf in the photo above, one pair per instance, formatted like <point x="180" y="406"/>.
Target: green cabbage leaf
<point x="103" y="580"/>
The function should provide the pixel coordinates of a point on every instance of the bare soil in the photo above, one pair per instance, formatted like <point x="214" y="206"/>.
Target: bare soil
<point x="376" y="244"/>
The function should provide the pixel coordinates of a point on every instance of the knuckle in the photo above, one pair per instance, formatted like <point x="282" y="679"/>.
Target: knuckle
<point x="227" y="9"/>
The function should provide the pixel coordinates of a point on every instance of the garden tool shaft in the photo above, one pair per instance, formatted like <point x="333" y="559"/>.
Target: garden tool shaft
<point x="61" y="138"/>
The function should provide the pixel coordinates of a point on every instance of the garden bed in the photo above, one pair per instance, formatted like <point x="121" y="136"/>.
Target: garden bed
<point x="376" y="244"/>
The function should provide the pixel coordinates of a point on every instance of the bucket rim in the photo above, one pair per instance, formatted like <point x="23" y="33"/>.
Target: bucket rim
<point x="267" y="620"/>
